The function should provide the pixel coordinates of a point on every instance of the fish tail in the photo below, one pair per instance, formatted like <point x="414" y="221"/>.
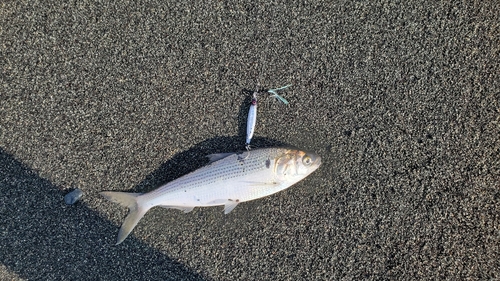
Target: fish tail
<point x="136" y="211"/>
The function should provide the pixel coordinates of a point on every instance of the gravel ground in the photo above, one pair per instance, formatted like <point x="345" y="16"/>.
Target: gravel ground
<point x="401" y="100"/>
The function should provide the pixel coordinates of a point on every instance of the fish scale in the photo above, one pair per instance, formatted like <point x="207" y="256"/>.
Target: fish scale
<point x="220" y="172"/>
<point x="224" y="170"/>
<point x="229" y="179"/>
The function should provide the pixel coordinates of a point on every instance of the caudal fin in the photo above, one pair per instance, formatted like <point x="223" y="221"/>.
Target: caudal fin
<point x="136" y="211"/>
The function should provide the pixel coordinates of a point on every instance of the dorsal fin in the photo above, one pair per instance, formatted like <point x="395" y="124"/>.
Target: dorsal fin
<point x="218" y="156"/>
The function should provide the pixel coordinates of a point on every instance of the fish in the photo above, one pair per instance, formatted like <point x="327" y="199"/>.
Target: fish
<point x="251" y="120"/>
<point x="227" y="180"/>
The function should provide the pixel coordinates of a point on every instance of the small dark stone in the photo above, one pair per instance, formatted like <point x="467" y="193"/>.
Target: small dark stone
<point x="73" y="197"/>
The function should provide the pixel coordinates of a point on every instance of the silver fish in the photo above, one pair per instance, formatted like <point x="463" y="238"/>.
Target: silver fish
<point x="229" y="179"/>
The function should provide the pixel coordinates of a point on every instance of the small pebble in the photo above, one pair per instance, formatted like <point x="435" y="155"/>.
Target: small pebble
<point x="73" y="197"/>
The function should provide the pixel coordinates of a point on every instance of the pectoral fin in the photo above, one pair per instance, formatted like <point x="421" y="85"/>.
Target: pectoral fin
<point x="229" y="206"/>
<point x="260" y="183"/>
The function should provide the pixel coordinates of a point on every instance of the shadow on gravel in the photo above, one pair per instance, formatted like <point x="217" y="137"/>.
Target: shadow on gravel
<point x="42" y="238"/>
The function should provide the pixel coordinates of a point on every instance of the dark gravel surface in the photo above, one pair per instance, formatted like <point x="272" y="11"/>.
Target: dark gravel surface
<point x="401" y="100"/>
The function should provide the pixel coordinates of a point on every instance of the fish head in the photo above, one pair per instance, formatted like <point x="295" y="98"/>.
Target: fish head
<point x="294" y="164"/>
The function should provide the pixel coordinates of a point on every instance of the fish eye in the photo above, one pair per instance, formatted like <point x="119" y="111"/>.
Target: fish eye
<point x="307" y="160"/>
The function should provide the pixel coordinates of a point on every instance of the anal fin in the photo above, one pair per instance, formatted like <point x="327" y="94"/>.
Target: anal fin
<point x="230" y="205"/>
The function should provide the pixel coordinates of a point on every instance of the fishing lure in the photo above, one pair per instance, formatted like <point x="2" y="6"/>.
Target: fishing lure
<point x="252" y="112"/>
<point x="251" y="120"/>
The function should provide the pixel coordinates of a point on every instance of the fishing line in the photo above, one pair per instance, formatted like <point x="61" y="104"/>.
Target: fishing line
<point x="251" y="120"/>
<point x="266" y="48"/>
<point x="252" y="112"/>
